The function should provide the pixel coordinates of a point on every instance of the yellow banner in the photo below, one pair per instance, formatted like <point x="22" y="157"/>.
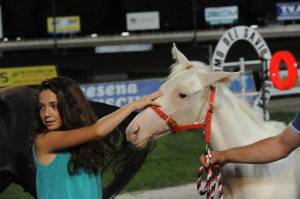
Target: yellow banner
<point x="67" y="24"/>
<point x="32" y="75"/>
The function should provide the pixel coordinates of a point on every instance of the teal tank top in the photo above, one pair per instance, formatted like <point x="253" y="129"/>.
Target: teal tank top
<point x="54" y="182"/>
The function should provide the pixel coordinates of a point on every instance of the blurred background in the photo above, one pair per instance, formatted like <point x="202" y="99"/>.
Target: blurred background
<point x="119" y="50"/>
<point x="110" y="40"/>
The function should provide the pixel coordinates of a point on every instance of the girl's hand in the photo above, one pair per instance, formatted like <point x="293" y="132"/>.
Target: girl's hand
<point x="147" y="100"/>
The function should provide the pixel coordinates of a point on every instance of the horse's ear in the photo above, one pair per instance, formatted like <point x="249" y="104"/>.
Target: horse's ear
<point x="180" y="58"/>
<point x="212" y="78"/>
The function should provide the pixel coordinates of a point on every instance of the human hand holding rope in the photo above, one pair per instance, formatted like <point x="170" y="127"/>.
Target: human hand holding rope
<point x="214" y="158"/>
<point x="213" y="177"/>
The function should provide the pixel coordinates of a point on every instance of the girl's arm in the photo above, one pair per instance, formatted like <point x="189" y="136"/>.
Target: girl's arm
<point x="57" y="140"/>
<point x="102" y="109"/>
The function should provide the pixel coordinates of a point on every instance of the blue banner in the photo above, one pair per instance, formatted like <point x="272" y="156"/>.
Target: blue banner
<point x="236" y="85"/>
<point x="120" y="93"/>
<point x="288" y="11"/>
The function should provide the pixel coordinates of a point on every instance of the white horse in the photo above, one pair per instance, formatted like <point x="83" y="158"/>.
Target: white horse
<point x="234" y="123"/>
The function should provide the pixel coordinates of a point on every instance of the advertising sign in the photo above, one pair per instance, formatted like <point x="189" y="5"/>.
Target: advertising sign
<point x="120" y="93"/>
<point x="123" y="48"/>
<point x="221" y="15"/>
<point x="63" y="25"/>
<point x="236" y="84"/>
<point x="142" y="21"/>
<point x="32" y="75"/>
<point x="249" y="93"/>
<point x="288" y="11"/>
<point x="236" y="34"/>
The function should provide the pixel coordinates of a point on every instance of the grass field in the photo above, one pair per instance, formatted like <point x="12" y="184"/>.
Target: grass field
<point x="174" y="161"/>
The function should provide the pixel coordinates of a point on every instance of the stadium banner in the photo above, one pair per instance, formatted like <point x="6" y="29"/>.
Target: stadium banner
<point x="29" y="75"/>
<point x="123" y="48"/>
<point x="288" y="11"/>
<point x="221" y="15"/>
<point x="142" y="21"/>
<point x="63" y="25"/>
<point x="236" y="84"/>
<point x="120" y="93"/>
<point x="123" y="92"/>
<point x="247" y="81"/>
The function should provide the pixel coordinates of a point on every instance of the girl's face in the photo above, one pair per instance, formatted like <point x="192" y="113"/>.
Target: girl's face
<point x="48" y="110"/>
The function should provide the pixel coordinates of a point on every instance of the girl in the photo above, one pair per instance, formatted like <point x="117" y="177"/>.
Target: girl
<point x="67" y="152"/>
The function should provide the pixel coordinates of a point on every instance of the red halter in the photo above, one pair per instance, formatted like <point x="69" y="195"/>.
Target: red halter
<point x="206" y="125"/>
<point x="213" y="179"/>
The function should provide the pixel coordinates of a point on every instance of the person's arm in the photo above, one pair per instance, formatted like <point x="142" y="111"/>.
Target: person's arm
<point x="264" y="151"/>
<point x="102" y="109"/>
<point x="57" y="140"/>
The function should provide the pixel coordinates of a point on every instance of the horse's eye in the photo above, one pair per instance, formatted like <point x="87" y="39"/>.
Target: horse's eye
<point x="182" y="95"/>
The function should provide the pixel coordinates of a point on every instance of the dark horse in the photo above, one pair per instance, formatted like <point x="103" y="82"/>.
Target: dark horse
<point x="17" y="121"/>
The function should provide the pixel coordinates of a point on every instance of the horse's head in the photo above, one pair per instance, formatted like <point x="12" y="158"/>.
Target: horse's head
<point x="185" y="99"/>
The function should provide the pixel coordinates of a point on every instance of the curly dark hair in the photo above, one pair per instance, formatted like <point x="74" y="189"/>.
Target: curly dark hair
<point x="111" y="154"/>
<point x="75" y="112"/>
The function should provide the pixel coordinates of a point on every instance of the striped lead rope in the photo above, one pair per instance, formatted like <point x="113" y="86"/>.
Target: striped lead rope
<point x="213" y="180"/>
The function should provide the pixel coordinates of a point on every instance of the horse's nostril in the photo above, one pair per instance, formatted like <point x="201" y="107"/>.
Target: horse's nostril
<point x="136" y="129"/>
<point x="134" y="133"/>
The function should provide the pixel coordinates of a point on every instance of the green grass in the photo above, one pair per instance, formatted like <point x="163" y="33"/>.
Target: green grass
<point x="286" y="117"/>
<point x="174" y="161"/>
<point x="14" y="192"/>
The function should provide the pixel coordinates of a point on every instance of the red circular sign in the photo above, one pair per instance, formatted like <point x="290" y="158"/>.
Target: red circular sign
<point x="292" y="70"/>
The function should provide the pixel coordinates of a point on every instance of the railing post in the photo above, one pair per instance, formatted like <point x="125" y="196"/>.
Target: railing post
<point x="243" y="84"/>
<point x="264" y="65"/>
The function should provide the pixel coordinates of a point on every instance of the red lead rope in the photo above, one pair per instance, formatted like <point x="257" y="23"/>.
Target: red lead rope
<point x="213" y="177"/>
<point x="207" y="128"/>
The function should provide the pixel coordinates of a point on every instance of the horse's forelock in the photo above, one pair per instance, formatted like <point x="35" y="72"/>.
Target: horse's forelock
<point x="177" y="68"/>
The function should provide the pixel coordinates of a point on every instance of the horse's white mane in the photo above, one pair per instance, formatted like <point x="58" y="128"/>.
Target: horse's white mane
<point x="243" y="105"/>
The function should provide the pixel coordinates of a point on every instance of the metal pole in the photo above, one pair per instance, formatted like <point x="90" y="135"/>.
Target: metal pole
<point x="263" y="89"/>
<point x="210" y="54"/>
<point x="194" y="23"/>
<point x="54" y="26"/>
